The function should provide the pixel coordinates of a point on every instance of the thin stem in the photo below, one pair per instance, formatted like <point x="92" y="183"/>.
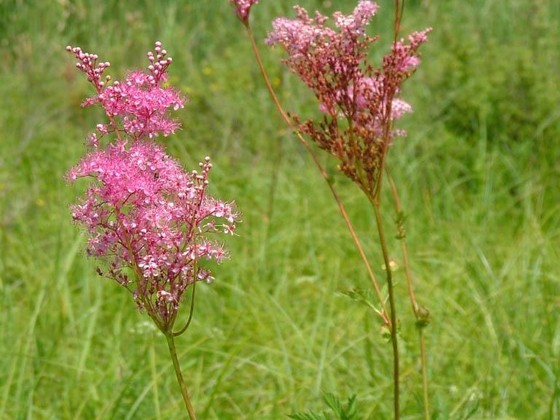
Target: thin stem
<point x="404" y="246"/>
<point x="421" y="314"/>
<point x="323" y="173"/>
<point x="264" y="74"/>
<point x="392" y="306"/>
<point x="387" y="124"/>
<point x="191" y="311"/>
<point x="424" y="374"/>
<point x="173" y="351"/>
<point x="399" y="10"/>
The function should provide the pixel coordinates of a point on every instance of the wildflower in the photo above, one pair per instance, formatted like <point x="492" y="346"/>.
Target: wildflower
<point x="359" y="102"/>
<point x="141" y="101"/>
<point x="150" y="220"/>
<point x="243" y="8"/>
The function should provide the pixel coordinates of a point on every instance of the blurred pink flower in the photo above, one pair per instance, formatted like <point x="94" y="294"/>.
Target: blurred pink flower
<point x="333" y="63"/>
<point x="243" y="8"/>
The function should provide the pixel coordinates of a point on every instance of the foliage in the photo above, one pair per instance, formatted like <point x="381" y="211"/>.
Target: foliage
<point x="346" y="412"/>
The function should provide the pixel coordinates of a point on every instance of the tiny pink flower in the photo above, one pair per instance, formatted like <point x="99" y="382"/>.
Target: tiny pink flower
<point x="356" y="22"/>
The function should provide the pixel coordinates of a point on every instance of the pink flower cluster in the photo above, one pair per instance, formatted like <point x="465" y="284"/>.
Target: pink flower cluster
<point x="148" y="218"/>
<point x="140" y="102"/>
<point x="359" y="101"/>
<point x="242" y="8"/>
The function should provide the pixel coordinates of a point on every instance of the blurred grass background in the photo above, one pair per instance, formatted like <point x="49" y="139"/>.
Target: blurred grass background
<point x="478" y="177"/>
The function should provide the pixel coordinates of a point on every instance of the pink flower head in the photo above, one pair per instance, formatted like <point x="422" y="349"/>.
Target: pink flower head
<point x="152" y="222"/>
<point x="333" y="63"/>
<point x="148" y="218"/>
<point x="357" y="21"/>
<point x="243" y="8"/>
<point x="138" y="105"/>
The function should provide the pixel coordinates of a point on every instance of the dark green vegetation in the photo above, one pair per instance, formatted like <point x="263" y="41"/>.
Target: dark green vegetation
<point x="478" y="178"/>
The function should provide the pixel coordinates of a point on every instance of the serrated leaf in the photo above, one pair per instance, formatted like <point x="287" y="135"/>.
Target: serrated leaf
<point x="363" y="296"/>
<point x="334" y="403"/>
<point x="351" y="409"/>
<point x="348" y="412"/>
<point x="307" y="416"/>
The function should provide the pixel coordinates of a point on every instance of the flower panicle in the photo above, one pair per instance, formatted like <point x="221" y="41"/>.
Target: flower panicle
<point x="136" y="106"/>
<point x="152" y="222"/>
<point x="359" y="101"/>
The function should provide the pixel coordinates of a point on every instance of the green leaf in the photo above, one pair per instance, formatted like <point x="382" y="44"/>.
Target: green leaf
<point x="307" y="416"/>
<point x="334" y="403"/>
<point x="348" y="412"/>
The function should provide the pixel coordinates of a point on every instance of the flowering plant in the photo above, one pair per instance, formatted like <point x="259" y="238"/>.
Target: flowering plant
<point x="145" y="216"/>
<point x="359" y="103"/>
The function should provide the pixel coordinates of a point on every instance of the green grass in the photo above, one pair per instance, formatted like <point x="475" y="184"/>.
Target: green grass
<point x="478" y="178"/>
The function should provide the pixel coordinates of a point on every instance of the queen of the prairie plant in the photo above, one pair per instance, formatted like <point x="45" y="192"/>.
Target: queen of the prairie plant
<point x="359" y="103"/>
<point x="145" y="216"/>
<point x="150" y="221"/>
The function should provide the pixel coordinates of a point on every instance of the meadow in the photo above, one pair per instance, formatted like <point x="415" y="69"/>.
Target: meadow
<point x="478" y="175"/>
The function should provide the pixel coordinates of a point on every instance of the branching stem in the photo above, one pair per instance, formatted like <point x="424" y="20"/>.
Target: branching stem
<point x="392" y="305"/>
<point x="323" y="173"/>
<point x="421" y="315"/>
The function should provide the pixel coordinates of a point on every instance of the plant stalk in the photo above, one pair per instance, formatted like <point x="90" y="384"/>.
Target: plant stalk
<point x="421" y="317"/>
<point x="323" y="173"/>
<point x="404" y="246"/>
<point x="392" y="307"/>
<point x="173" y="351"/>
<point x="191" y="311"/>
